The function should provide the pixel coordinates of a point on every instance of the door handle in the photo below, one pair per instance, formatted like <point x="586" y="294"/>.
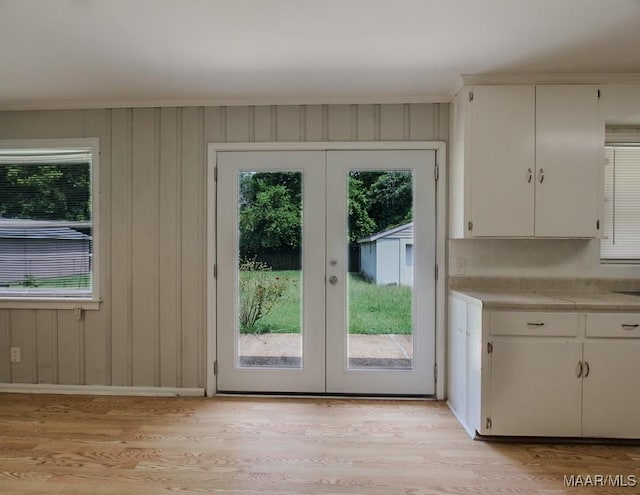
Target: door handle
<point x="580" y="369"/>
<point x="586" y="373"/>
<point x="541" y="175"/>
<point x="529" y="176"/>
<point x="333" y="280"/>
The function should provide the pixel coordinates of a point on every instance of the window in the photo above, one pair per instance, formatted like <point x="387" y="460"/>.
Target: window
<point x="47" y="214"/>
<point x="621" y="235"/>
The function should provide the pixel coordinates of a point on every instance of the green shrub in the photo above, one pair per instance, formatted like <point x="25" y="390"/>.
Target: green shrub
<point x="259" y="293"/>
<point x="29" y="281"/>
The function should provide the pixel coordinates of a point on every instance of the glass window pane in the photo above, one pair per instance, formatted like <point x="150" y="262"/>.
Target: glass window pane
<point x="46" y="230"/>
<point x="621" y="229"/>
<point x="380" y="284"/>
<point x="270" y="269"/>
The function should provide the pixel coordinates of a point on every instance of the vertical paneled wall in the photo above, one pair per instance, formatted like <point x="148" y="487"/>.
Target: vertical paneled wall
<point x="151" y="326"/>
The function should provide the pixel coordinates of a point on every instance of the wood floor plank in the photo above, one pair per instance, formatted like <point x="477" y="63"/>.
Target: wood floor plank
<point x="255" y="446"/>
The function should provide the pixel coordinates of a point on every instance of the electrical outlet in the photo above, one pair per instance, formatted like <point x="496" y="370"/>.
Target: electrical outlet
<point x="15" y="355"/>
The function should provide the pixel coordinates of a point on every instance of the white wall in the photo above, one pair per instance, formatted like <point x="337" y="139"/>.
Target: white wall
<point x="151" y="326"/>
<point x="368" y="260"/>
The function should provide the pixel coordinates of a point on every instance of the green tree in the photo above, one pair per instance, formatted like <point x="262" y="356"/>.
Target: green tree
<point x="270" y="212"/>
<point x="271" y="207"/>
<point x="391" y="196"/>
<point x="379" y="201"/>
<point x="360" y="223"/>
<point x="45" y="191"/>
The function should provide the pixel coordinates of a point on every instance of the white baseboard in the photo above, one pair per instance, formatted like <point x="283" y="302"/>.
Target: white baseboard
<point x="45" y="388"/>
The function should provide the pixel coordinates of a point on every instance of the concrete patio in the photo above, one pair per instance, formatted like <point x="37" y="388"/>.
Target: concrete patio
<point x="365" y="351"/>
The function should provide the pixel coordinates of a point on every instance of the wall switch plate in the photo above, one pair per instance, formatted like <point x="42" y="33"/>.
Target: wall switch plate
<point x="15" y="355"/>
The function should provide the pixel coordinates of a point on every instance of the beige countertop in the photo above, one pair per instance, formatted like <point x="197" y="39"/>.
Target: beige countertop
<point x="550" y="300"/>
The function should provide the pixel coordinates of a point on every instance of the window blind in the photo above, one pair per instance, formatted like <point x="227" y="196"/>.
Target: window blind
<point x="46" y="224"/>
<point x="621" y="233"/>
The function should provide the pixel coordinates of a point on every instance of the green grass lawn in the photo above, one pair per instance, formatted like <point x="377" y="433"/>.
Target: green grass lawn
<point x="378" y="309"/>
<point x="373" y="309"/>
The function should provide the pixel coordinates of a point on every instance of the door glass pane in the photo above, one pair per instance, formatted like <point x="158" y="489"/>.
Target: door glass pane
<point x="269" y="276"/>
<point x="381" y="258"/>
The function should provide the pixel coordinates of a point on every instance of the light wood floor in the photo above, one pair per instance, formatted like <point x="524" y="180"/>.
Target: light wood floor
<point x="116" y="445"/>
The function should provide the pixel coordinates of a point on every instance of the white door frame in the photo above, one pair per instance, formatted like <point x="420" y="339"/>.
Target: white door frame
<point x="441" y="234"/>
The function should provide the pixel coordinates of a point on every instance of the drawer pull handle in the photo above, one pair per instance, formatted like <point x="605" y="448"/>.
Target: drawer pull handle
<point x="629" y="326"/>
<point x="579" y="369"/>
<point x="535" y="324"/>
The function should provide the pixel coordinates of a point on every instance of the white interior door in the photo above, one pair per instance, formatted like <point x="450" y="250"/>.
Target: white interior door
<point x="340" y="322"/>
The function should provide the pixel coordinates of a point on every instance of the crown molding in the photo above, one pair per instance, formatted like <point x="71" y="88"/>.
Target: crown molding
<point x="460" y="82"/>
<point x="541" y="78"/>
<point x="455" y="88"/>
<point x="220" y="102"/>
<point x="551" y="78"/>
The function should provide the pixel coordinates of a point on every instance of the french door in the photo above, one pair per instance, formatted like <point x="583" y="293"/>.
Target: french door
<point x="326" y="278"/>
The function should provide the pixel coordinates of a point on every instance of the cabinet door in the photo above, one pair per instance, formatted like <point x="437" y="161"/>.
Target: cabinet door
<point x="569" y="145"/>
<point x="611" y="403"/>
<point x="535" y="388"/>
<point x="502" y="158"/>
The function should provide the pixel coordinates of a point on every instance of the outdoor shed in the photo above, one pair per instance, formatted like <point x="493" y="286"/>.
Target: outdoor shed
<point x="39" y="250"/>
<point x="386" y="258"/>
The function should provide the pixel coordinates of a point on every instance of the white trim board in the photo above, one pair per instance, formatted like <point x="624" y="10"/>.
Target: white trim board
<point x="541" y="78"/>
<point x="44" y="388"/>
<point x="24" y="105"/>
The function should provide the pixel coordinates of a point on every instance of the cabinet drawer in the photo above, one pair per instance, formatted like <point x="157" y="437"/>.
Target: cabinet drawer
<point x="534" y="323"/>
<point x="614" y="325"/>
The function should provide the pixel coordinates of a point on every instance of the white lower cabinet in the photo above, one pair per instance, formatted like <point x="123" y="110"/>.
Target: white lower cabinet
<point x="610" y="398"/>
<point x="544" y="373"/>
<point x="535" y="390"/>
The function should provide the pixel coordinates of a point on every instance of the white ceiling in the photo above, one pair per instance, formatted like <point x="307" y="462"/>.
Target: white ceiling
<point x="75" y="53"/>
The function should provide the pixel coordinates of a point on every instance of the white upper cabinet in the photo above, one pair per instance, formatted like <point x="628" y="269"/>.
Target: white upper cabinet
<point x="502" y="160"/>
<point x="569" y="148"/>
<point x="524" y="161"/>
